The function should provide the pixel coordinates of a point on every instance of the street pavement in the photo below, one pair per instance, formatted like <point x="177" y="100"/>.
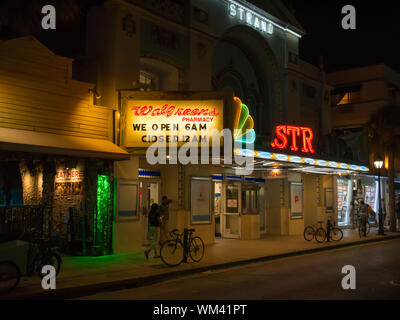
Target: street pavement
<point x="82" y="276"/>
<point x="312" y="276"/>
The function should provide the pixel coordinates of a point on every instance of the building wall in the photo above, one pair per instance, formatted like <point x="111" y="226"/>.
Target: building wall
<point x="127" y="234"/>
<point x="32" y="182"/>
<point x="38" y="94"/>
<point x="375" y="82"/>
<point x="190" y="47"/>
<point x="273" y="207"/>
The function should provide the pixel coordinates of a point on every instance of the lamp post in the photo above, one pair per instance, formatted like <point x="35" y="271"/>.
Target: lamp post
<point x="378" y="165"/>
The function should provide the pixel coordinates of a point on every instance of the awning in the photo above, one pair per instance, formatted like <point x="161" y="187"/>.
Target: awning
<point x="40" y="142"/>
<point x="301" y="163"/>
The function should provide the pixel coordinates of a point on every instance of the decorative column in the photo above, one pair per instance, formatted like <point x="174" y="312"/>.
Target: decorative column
<point x="49" y="173"/>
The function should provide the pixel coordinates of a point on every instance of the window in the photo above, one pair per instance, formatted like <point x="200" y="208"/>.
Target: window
<point x="145" y="79"/>
<point x="309" y="91"/>
<point x="345" y="96"/>
<point x="348" y="98"/>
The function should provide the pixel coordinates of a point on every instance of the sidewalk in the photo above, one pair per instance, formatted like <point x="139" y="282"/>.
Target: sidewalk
<point x="82" y="276"/>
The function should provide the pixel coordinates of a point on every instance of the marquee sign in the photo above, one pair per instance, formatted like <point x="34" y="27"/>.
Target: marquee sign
<point x="285" y="133"/>
<point x="171" y="121"/>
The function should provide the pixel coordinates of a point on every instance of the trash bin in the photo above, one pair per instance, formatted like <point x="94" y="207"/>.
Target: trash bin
<point x="17" y="252"/>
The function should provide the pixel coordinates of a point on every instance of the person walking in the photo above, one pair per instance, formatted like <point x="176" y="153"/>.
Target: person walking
<point x="164" y="213"/>
<point x="363" y="216"/>
<point x="371" y="213"/>
<point x="154" y="226"/>
<point x="397" y="210"/>
<point x="383" y="206"/>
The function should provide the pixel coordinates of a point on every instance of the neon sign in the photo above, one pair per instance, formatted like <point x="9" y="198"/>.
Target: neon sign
<point x="243" y="123"/>
<point x="171" y="121"/>
<point x="254" y="19"/>
<point x="284" y="133"/>
<point x="250" y="17"/>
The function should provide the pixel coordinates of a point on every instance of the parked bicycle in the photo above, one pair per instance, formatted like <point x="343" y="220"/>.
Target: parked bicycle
<point x="320" y="234"/>
<point x="41" y="252"/>
<point x="10" y="276"/>
<point x="176" y="250"/>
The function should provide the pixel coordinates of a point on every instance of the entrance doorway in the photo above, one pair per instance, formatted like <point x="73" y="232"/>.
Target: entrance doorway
<point x="253" y="201"/>
<point x="230" y="221"/>
<point x="149" y="193"/>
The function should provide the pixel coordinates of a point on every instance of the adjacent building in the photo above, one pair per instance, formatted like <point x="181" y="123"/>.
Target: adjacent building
<point x="358" y="94"/>
<point x="56" y="150"/>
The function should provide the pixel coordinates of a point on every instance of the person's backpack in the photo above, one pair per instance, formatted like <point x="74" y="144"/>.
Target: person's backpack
<point x="154" y="217"/>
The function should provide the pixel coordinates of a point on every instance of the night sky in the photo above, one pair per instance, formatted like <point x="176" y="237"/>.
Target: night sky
<point x="376" y="39"/>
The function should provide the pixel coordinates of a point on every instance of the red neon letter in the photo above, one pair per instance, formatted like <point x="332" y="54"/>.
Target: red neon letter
<point x="295" y="132"/>
<point x="136" y="110"/>
<point x="281" y="136"/>
<point x="307" y="146"/>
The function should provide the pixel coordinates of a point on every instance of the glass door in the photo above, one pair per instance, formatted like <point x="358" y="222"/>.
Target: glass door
<point x="218" y="207"/>
<point x="344" y="197"/>
<point x="232" y="208"/>
<point x="149" y="193"/>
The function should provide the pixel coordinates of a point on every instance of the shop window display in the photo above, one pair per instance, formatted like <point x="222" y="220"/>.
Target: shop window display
<point x="344" y="195"/>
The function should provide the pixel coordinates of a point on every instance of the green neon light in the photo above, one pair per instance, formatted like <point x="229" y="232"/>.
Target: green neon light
<point x="103" y="208"/>
<point x="244" y="123"/>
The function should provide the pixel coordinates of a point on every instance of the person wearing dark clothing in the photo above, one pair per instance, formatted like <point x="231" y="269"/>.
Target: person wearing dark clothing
<point x="397" y="210"/>
<point x="164" y="213"/>
<point x="154" y="229"/>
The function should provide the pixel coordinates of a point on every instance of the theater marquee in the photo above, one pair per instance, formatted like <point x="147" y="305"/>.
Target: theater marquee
<point x="171" y="121"/>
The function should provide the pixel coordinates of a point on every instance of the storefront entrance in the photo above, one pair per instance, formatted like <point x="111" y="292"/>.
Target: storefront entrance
<point x="253" y="201"/>
<point x="231" y="213"/>
<point x="344" y="200"/>
<point x="234" y="201"/>
<point x="149" y="193"/>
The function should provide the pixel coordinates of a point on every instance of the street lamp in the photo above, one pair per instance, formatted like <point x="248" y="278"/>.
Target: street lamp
<point x="378" y="165"/>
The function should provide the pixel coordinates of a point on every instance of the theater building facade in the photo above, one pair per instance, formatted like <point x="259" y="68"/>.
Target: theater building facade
<point x="214" y="64"/>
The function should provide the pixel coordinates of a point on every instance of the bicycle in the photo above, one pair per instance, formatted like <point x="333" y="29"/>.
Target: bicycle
<point x="10" y="276"/>
<point x="175" y="251"/>
<point x="42" y="253"/>
<point x="320" y="234"/>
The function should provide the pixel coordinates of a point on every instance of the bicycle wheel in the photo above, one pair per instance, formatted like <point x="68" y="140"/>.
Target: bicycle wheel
<point x="367" y="226"/>
<point x="320" y="235"/>
<point x="309" y="233"/>
<point x="50" y="260"/>
<point x="172" y="253"/>
<point x="336" y="234"/>
<point x="9" y="276"/>
<point x="196" y="249"/>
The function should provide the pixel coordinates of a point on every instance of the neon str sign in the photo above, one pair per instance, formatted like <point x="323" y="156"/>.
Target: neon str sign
<point x="284" y="133"/>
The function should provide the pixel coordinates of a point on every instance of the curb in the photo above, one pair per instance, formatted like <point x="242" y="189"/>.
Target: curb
<point x="86" y="290"/>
